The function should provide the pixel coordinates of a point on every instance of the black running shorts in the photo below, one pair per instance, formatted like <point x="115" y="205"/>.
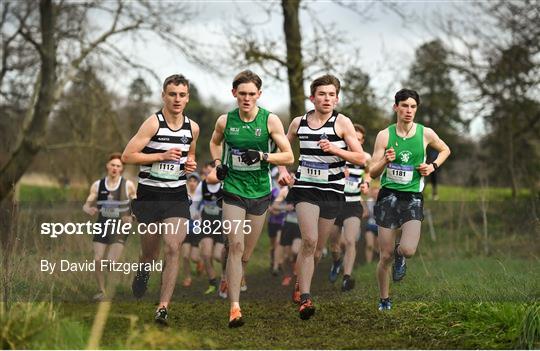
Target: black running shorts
<point x="254" y="207"/>
<point x="290" y="232"/>
<point x="329" y="202"/>
<point x="349" y="209"/>
<point x="156" y="205"/>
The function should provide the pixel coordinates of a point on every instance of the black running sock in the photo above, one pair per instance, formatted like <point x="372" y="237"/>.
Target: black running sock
<point x="346" y="277"/>
<point x="304" y="297"/>
<point x="212" y="281"/>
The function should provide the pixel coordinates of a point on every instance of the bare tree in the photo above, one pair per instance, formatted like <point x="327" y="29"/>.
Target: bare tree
<point x="44" y="47"/>
<point x="495" y="48"/>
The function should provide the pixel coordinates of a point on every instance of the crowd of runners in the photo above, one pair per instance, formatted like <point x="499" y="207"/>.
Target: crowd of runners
<point x="253" y="179"/>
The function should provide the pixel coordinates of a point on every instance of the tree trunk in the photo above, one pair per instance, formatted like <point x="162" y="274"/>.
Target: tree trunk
<point x="295" y="68"/>
<point x="34" y="135"/>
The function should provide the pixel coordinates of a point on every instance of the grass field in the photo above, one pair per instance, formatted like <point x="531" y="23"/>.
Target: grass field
<point x="457" y="293"/>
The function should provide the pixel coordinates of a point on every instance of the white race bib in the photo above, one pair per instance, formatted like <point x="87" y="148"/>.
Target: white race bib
<point x="239" y="165"/>
<point x="352" y="184"/>
<point x="400" y="174"/>
<point x="110" y="212"/>
<point x="314" y="172"/>
<point x="166" y="170"/>
<point x="211" y="209"/>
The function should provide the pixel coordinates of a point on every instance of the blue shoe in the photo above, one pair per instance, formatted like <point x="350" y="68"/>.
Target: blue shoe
<point x="335" y="270"/>
<point x="399" y="268"/>
<point x="385" y="304"/>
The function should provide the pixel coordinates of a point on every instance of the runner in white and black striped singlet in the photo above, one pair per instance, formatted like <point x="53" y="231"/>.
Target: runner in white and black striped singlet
<point x="164" y="147"/>
<point x="166" y="175"/>
<point x="327" y="141"/>
<point x="356" y="182"/>
<point x="318" y="169"/>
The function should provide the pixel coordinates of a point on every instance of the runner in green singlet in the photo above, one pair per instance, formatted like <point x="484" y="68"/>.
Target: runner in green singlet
<point x="400" y="156"/>
<point x="242" y="145"/>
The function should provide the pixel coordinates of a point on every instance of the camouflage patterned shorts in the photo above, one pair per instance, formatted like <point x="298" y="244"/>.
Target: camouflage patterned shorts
<point x="393" y="208"/>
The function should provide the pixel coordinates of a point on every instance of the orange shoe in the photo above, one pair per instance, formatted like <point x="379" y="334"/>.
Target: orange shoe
<point x="307" y="309"/>
<point x="222" y="292"/>
<point x="235" y="318"/>
<point x="296" y="293"/>
<point x="286" y="280"/>
<point x="186" y="283"/>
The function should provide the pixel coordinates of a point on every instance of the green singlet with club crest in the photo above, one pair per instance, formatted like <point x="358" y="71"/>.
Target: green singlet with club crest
<point x="401" y="174"/>
<point x="249" y="181"/>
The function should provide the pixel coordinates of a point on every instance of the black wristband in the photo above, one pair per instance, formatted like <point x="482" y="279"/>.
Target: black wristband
<point x="435" y="166"/>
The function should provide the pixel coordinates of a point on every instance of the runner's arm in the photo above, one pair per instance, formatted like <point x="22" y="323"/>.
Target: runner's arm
<point x="191" y="164"/>
<point x="378" y="160"/>
<point x="212" y="178"/>
<point x="284" y="177"/>
<point x="355" y="153"/>
<point x="277" y="133"/>
<point x="433" y="141"/>
<point x="132" y="192"/>
<point x="133" y="151"/>
<point x="367" y="178"/>
<point x="216" y="141"/>
<point x="90" y="205"/>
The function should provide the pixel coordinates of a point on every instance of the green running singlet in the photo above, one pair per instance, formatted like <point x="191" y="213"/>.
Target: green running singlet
<point x="249" y="181"/>
<point x="401" y="174"/>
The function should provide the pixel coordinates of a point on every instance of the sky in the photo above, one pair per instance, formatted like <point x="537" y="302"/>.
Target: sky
<point x="385" y="41"/>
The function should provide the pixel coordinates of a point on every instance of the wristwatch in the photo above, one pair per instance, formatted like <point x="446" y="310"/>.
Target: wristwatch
<point x="265" y="156"/>
<point x="435" y="166"/>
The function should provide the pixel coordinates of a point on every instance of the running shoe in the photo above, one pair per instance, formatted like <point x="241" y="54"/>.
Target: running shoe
<point x="161" y="316"/>
<point x="307" y="309"/>
<point x="223" y="289"/>
<point x="235" y="318"/>
<point x="385" y="304"/>
<point x="348" y="284"/>
<point x="286" y="280"/>
<point x="243" y="285"/>
<point x="335" y="270"/>
<point x="211" y="289"/>
<point x="140" y="283"/>
<point x="399" y="268"/>
<point x="186" y="283"/>
<point x="100" y="296"/>
<point x="296" y="293"/>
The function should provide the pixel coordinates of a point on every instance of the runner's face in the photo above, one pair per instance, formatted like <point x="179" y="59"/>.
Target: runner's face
<point x="406" y="110"/>
<point x="246" y="95"/>
<point x="114" y="167"/>
<point x="175" y="98"/>
<point x="192" y="184"/>
<point x="325" y="98"/>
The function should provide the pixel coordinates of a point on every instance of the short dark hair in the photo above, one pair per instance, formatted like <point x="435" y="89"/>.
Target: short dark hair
<point x="359" y="128"/>
<point x="327" y="79"/>
<point x="247" y="76"/>
<point x="404" y="94"/>
<point x="175" y="79"/>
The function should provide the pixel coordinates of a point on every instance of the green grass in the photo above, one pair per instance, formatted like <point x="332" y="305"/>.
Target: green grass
<point x="459" y="193"/>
